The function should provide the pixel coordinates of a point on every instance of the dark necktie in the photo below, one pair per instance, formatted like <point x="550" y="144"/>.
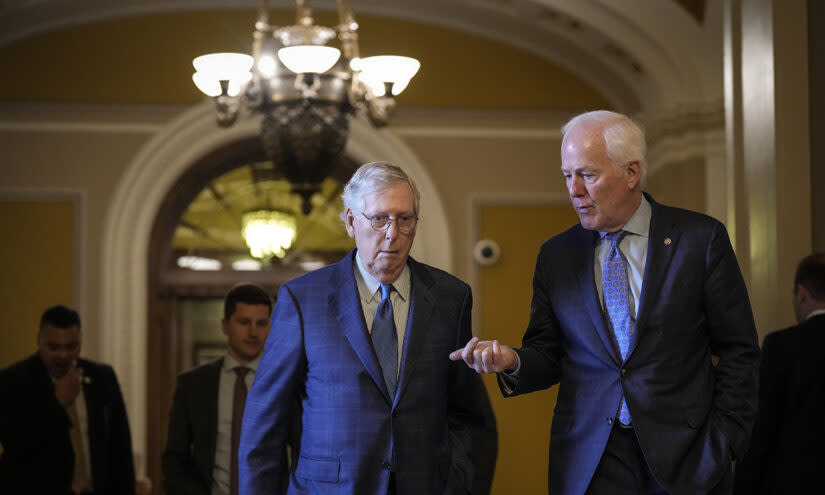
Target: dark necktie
<point x="385" y="339"/>
<point x="617" y="301"/>
<point x="238" y="403"/>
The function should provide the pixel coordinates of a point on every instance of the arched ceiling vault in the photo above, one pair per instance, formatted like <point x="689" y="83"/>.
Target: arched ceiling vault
<point x="654" y="57"/>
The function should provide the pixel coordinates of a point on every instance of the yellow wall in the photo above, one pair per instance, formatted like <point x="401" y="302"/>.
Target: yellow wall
<point x="148" y="59"/>
<point x="37" y="269"/>
<point x="506" y="290"/>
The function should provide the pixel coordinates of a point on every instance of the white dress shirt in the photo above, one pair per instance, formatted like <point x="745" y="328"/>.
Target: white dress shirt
<point x="223" y="441"/>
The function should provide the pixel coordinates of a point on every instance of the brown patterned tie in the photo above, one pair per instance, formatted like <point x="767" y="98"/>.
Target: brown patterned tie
<point x="238" y="403"/>
<point x="80" y="483"/>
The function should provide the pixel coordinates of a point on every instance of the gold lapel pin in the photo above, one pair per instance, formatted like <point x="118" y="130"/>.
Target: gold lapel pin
<point x="667" y="241"/>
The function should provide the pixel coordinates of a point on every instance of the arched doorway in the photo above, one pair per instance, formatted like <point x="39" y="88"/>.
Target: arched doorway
<point x="151" y="178"/>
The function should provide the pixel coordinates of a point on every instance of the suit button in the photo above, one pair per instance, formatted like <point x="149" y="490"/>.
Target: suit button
<point x="610" y="421"/>
<point x="624" y="372"/>
<point x="386" y="465"/>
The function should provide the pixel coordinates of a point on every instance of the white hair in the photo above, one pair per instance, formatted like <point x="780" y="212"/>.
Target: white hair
<point x="371" y="178"/>
<point x="624" y="139"/>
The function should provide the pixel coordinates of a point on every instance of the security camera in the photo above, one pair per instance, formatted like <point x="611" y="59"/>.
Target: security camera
<point x="486" y="252"/>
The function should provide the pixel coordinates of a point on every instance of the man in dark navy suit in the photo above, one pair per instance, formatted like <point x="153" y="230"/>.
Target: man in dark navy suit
<point x="787" y="451"/>
<point x="363" y="345"/>
<point x="63" y="422"/>
<point x="628" y="308"/>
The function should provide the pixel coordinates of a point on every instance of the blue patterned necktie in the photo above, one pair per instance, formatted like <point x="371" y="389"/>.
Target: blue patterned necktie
<point x="617" y="301"/>
<point x="385" y="339"/>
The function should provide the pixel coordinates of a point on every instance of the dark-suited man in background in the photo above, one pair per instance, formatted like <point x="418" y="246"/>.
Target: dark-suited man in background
<point x="204" y="423"/>
<point x="787" y="452"/>
<point x="63" y="422"/>
<point x="628" y="308"/>
<point x="364" y="345"/>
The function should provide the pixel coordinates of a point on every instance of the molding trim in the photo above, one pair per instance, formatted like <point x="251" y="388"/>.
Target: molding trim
<point x="91" y="127"/>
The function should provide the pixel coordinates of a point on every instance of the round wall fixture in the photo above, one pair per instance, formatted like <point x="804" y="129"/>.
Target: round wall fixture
<point x="486" y="252"/>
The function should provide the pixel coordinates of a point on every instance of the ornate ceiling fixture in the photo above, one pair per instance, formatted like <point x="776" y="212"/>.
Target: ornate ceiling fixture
<point x="306" y="91"/>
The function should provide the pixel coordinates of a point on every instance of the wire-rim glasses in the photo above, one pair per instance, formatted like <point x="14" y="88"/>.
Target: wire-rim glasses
<point x="380" y="223"/>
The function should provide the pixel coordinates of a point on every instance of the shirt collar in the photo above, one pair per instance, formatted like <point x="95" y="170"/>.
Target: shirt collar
<point x="371" y="285"/>
<point x="639" y="223"/>
<point x="815" y="312"/>
<point x="230" y="363"/>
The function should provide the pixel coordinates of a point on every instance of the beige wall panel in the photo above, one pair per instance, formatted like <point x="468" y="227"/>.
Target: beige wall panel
<point x="506" y="291"/>
<point x="84" y="162"/>
<point x="37" y="269"/>
<point x="461" y="167"/>
<point x="681" y="184"/>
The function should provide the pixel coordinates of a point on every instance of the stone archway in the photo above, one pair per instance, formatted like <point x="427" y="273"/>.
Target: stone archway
<point x="135" y="205"/>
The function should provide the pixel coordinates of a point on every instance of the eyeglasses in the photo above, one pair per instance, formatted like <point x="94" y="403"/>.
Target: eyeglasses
<point x="380" y="223"/>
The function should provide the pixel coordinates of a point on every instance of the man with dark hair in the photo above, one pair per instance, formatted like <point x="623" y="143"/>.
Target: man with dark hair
<point x="787" y="451"/>
<point x="63" y="422"/>
<point x="204" y="423"/>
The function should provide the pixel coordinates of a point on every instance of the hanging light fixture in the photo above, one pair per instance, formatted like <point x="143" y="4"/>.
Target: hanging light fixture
<point x="306" y="91"/>
<point x="268" y="232"/>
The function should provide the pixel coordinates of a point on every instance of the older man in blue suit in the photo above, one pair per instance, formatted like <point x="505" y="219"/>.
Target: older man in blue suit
<point x="364" y="346"/>
<point x="629" y="309"/>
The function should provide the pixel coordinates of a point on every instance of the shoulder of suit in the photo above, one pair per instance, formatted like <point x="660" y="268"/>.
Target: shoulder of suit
<point x="202" y="370"/>
<point x="682" y="216"/>
<point x="97" y="370"/>
<point x="574" y="235"/>
<point x="437" y="275"/>
<point x="320" y="276"/>
<point x="24" y="367"/>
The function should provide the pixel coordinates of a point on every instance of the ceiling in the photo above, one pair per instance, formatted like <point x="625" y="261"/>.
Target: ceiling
<point x="639" y="55"/>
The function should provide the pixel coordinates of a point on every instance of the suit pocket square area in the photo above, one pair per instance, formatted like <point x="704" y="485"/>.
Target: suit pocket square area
<point x="318" y="468"/>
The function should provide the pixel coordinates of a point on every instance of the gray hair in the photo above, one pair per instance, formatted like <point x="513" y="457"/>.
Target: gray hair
<point x="371" y="178"/>
<point x="624" y="139"/>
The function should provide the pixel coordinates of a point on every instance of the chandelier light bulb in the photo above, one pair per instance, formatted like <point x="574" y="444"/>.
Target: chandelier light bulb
<point x="268" y="232"/>
<point x="212" y="68"/>
<point x="309" y="59"/>
<point x="395" y="69"/>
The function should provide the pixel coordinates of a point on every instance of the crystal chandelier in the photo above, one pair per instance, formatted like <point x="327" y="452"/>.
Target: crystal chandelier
<point x="306" y="91"/>
<point x="268" y="232"/>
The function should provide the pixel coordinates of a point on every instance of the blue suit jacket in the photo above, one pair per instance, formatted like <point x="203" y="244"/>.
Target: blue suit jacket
<point x="690" y="418"/>
<point x="354" y="433"/>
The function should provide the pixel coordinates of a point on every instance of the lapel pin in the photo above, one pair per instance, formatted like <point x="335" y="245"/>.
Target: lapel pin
<point x="667" y="241"/>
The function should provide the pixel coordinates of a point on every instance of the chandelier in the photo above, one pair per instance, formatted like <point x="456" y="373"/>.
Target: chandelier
<point x="306" y="91"/>
<point x="268" y="232"/>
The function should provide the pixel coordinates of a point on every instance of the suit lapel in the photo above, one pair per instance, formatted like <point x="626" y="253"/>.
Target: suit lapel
<point x="589" y="240"/>
<point x="345" y="303"/>
<point x="662" y="242"/>
<point x="95" y="416"/>
<point x="209" y="394"/>
<point x="422" y="304"/>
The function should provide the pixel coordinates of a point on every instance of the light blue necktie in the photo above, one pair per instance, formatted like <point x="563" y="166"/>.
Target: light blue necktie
<point x="617" y="301"/>
<point x="385" y="339"/>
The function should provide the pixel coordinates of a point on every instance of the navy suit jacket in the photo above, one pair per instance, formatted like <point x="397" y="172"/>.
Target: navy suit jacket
<point x="189" y="457"/>
<point x="354" y="432"/>
<point x="34" y="431"/>
<point x="690" y="418"/>
<point x="787" y="452"/>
